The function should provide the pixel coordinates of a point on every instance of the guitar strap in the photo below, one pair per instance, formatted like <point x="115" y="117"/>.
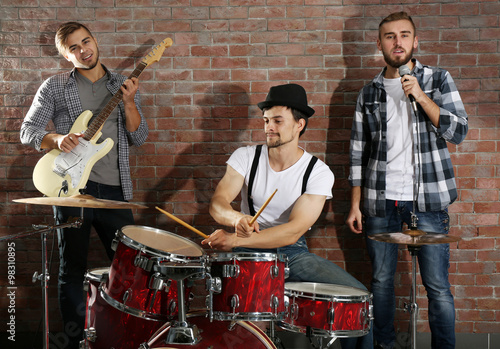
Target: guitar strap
<point x="253" y="171"/>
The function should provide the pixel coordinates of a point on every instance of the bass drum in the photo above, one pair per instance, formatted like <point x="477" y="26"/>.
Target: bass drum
<point x="215" y="335"/>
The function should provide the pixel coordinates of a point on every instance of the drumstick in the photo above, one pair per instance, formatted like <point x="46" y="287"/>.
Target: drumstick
<point x="182" y="222"/>
<point x="262" y="208"/>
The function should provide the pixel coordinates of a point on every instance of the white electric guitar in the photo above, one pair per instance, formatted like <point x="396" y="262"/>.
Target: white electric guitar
<point x="63" y="174"/>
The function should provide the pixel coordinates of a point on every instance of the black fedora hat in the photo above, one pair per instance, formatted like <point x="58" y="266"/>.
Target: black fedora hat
<point x="288" y="95"/>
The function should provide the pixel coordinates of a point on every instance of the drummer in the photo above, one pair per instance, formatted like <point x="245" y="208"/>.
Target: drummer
<point x="301" y="194"/>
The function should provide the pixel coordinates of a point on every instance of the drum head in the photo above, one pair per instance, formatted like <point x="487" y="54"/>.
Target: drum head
<point x="326" y="291"/>
<point x="160" y="241"/>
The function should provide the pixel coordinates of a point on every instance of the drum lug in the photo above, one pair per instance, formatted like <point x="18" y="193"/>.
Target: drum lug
<point x="235" y="302"/>
<point x="331" y="316"/>
<point x="275" y="302"/>
<point x="90" y="334"/>
<point x="275" y="271"/>
<point x="230" y="271"/>
<point x="287" y="272"/>
<point x="114" y="243"/>
<point x="126" y="295"/>
<point x="86" y="284"/>
<point x="294" y="311"/>
<point x="367" y="315"/>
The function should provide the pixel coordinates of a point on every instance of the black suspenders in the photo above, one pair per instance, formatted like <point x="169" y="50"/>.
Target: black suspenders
<point x="253" y="171"/>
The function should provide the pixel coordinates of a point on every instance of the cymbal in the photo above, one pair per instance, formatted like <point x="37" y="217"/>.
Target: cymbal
<point x="87" y="201"/>
<point x="415" y="237"/>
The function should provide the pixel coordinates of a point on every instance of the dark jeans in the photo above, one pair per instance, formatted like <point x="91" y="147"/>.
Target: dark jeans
<point x="73" y="251"/>
<point x="433" y="261"/>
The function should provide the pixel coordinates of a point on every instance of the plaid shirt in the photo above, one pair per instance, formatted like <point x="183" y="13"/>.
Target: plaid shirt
<point x="368" y="151"/>
<point x="58" y="100"/>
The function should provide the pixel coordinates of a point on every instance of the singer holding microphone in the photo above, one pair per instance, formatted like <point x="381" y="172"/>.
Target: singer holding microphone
<point x="404" y="118"/>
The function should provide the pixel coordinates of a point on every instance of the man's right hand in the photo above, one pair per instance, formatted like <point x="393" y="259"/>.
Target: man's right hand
<point x="355" y="220"/>
<point x="68" y="142"/>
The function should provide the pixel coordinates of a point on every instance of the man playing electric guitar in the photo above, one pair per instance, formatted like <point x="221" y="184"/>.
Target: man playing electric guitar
<point x="61" y="99"/>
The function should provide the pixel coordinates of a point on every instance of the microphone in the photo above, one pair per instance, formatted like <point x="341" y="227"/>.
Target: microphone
<point x="404" y="70"/>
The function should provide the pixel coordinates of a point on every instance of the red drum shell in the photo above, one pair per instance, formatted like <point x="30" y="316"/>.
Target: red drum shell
<point x="255" y="287"/>
<point x="113" y="328"/>
<point x="314" y="305"/>
<point x="130" y="276"/>
<point x="216" y="335"/>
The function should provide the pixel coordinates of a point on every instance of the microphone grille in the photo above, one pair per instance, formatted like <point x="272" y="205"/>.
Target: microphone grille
<point x="404" y="70"/>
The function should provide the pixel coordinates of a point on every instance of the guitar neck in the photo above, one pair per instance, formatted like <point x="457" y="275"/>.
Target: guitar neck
<point x="97" y="123"/>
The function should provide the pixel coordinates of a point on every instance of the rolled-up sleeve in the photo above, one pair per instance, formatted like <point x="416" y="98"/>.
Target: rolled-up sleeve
<point x="38" y="116"/>
<point x="139" y="136"/>
<point x="453" y="123"/>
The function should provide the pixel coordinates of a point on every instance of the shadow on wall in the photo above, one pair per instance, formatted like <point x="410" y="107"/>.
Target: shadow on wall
<point x="199" y="147"/>
<point x="359" y="55"/>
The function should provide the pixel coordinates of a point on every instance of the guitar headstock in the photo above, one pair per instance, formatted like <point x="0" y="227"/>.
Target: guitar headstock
<point x="157" y="52"/>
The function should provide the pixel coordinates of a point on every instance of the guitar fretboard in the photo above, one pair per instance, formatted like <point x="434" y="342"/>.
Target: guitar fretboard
<point x="96" y="124"/>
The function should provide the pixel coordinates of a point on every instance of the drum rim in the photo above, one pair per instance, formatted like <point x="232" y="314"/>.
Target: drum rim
<point x="290" y="292"/>
<point x="249" y="256"/>
<point x="253" y="329"/>
<point x="322" y="332"/>
<point x="130" y="310"/>
<point x="249" y="316"/>
<point x="128" y="241"/>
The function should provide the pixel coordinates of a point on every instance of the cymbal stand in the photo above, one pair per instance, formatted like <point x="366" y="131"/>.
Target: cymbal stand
<point x="412" y="307"/>
<point x="44" y="276"/>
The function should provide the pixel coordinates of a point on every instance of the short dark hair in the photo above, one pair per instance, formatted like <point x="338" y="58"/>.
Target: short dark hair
<point x="297" y="115"/>
<point x="397" y="16"/>
<point x="64" y="31"/>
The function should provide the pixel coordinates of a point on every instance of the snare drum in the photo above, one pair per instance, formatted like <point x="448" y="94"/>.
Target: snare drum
<point x="252" y="286"/>
<point x="135" y="285"/>
<point x="214" y="335"/>
<point x="107" y="327"/>
<point x="328" y="310"/>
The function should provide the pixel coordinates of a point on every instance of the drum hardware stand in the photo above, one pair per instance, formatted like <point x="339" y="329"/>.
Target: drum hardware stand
<point x="319" y="339"/>
<point x="44" y="277"/>
<point x="271" y="332"/>
<point x="181" y="332"/>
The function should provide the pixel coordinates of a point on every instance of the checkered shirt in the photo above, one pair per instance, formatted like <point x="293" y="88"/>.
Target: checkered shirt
<point x="368" y="148"/>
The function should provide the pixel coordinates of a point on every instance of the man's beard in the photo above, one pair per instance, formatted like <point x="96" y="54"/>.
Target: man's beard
<point x="278" y="142"/>
<point x="396" y="63"/>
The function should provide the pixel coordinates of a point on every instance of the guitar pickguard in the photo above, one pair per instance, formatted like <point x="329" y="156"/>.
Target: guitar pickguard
<point x="73" y="164"/>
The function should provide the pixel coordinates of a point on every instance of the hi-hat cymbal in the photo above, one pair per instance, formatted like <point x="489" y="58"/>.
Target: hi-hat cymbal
<point x="87" y="201"/>
<point x="415" y="237"/>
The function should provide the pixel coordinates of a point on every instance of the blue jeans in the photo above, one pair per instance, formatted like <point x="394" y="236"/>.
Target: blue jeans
<point x="308" y="267"/>
<point x="73" y="251"/>
<point x="433" y="261"/>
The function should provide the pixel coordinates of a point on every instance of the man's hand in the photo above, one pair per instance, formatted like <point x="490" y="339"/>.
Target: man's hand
<point x="221" y="240"/>
<point x="355" y="220"/>
<point x="129" y="89"/>
<point x="68" y="142"/>
<point x="242" y="227"/>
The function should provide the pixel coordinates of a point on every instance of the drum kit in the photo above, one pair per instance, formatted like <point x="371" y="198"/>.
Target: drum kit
<point x="142" y="300"/>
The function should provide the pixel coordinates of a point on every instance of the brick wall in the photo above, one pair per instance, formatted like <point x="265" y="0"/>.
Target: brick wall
<point x="200" y="102"/>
